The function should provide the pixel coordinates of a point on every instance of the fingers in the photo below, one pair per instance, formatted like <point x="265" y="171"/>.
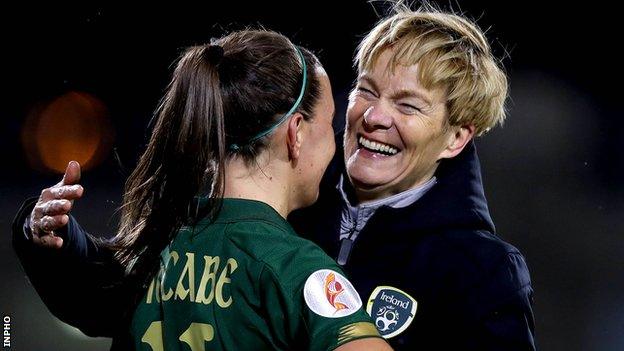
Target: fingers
<point x="49" y="241"/>
<point x="51" y="223"/>
<point x="46" y="224"/>
<point x="72" y="173"/>
<point x="43" y="231"/>
<point x="42" y="228"/>
<point x="52" y="208"/>
<point x="68" y="192"/>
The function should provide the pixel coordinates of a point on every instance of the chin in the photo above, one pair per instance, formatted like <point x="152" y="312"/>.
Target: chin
<point x="368" y="178"/>
<point x="373" y="171"/>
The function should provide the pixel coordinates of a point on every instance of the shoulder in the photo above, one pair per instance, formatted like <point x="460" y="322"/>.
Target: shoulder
<point x="479" y="259"/>
<point x="481" y="247"/>
<point x="289" y="263"/>
<point x="277" y="246"/>
<point x="476" y="270"/>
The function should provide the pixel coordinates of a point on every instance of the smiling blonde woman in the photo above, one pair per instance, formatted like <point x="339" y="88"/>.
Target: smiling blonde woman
<point x="404" y="209"/>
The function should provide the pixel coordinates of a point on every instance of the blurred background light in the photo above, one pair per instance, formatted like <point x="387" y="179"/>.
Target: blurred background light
<point x="73" y="126"/>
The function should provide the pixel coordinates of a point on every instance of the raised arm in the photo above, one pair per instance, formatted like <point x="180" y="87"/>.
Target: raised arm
<point x="76" y="278"/>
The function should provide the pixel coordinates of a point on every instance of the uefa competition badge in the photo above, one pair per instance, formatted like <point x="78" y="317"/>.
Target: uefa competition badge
<point x="392" y="310"/>
<point x="329" y="294"/>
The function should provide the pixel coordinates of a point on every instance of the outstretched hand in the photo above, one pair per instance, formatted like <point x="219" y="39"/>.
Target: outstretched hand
<point x="51" y="211"/>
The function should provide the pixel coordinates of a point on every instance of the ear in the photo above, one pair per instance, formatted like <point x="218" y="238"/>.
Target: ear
<point x="295" y="135"/>
<point x="458" y="139"/>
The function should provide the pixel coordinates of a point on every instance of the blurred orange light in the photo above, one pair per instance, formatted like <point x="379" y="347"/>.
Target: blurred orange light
<point x="74" y="126"/>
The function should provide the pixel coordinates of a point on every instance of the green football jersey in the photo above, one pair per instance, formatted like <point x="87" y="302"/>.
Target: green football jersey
<point x="246" y="281"/>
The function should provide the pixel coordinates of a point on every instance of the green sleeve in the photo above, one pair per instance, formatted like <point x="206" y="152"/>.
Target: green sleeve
<point x="310" y="304"/>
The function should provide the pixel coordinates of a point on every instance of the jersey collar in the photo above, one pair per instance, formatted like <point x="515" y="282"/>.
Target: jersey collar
<point x="234" y="210"/>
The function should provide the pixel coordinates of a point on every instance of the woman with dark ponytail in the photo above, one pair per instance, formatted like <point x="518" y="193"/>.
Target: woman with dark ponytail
<point x="241" y="138"/>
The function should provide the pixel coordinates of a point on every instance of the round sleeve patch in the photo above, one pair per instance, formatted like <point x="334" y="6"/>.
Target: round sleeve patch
<point x="329" y="294"/>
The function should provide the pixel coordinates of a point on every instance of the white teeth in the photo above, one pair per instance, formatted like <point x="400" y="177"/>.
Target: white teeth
<point x="377" y="146"/>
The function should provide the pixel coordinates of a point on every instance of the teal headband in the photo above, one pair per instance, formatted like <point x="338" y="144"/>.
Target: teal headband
<point x="287" y="114"/>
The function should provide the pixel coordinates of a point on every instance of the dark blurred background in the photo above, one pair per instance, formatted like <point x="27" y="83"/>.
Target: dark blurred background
<point x="81" y="81"/>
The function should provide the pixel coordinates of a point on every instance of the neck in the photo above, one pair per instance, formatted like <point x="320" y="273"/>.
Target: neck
<point x="263" y="181"/>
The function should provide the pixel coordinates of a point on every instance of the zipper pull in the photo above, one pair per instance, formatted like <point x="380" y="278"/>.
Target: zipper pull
<point x="345" y="250"/>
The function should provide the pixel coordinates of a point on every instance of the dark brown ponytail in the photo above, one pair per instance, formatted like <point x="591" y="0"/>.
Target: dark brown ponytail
<point x="220" y="94"/>
<point x="183" y="154"/>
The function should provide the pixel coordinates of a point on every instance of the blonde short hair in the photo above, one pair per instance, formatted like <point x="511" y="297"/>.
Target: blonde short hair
<point x="452" y="53"/>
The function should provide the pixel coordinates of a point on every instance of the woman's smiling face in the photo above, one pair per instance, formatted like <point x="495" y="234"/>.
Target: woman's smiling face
<point x="395" y="132"/>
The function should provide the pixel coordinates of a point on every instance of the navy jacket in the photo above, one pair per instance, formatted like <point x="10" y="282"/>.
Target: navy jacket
<point x="91" y="293"/>
<point x="473" y="290"/>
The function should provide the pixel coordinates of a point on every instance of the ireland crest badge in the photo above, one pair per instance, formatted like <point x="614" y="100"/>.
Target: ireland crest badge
<point x="392" y="310"/>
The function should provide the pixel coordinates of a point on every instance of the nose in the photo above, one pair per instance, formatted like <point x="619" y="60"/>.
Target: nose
<point x="376" y="118"/>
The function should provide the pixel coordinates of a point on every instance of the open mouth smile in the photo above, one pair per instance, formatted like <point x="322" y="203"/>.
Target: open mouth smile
<point x="378" y="147"/>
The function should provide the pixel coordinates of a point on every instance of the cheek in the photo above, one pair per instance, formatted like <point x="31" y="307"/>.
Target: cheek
<point x="329" y="142"/>
<point x="323" y="148"/>
<point x="417" y="133"/>
<point x="425" y="148"/>
<point x="355" y="111"/>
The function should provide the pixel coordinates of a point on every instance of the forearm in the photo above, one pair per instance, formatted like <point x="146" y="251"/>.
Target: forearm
<point x="80" y="283"/>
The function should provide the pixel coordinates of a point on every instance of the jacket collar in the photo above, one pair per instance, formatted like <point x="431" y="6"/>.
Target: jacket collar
<point x="457" y="201"/>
